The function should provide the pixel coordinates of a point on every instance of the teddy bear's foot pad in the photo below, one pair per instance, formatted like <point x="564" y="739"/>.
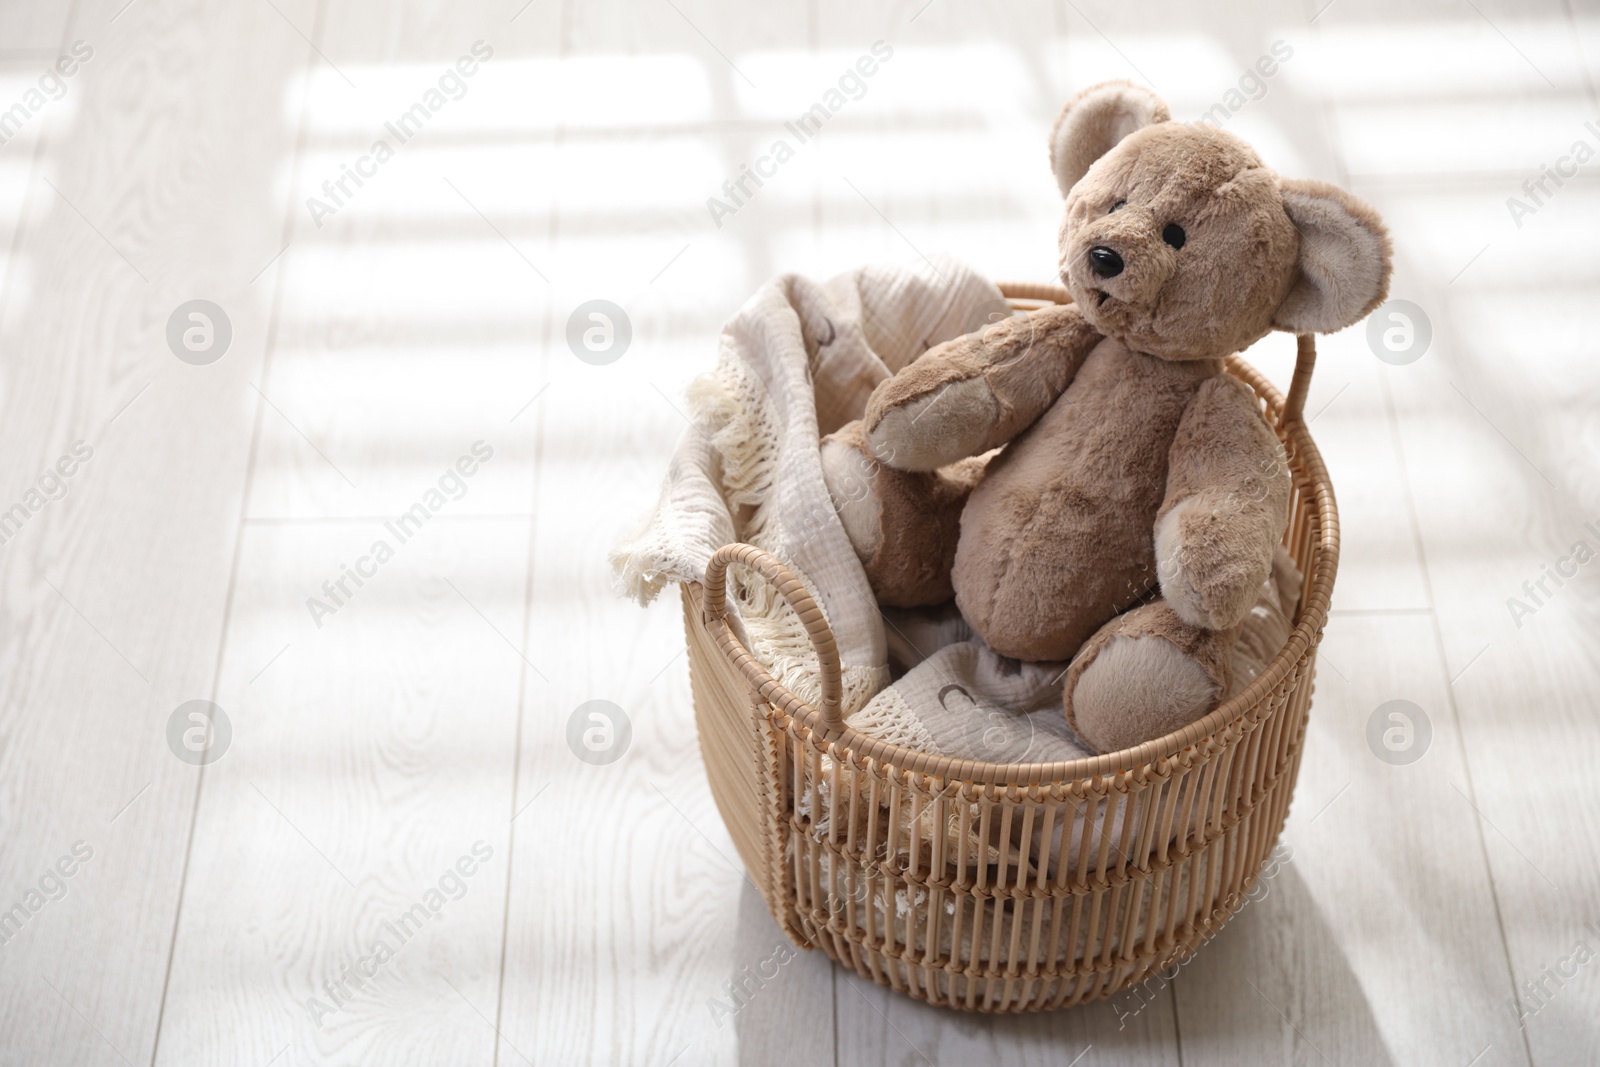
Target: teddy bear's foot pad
<point x="1145" y="674"/>
<point x="903" y="525"/>
<point x="849" y="475"/>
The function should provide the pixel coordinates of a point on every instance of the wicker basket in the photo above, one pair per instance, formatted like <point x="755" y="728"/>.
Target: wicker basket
<point x="1166" y="838"/>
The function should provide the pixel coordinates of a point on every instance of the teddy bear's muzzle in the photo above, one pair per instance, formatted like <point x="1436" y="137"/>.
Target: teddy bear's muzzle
<point x="1129" y="266"/>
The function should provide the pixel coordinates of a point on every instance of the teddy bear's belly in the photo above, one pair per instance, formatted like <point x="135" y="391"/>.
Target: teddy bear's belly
<point x="1058" y="537"/>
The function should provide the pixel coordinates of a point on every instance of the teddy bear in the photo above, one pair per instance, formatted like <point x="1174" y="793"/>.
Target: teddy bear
<point x="1087" y="481"/>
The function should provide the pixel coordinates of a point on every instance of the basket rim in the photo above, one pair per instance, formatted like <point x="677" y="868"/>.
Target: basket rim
<point x="1316" y="591"/>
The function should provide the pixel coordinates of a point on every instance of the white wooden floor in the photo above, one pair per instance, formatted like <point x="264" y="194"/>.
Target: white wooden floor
<point x="419" y="732"/>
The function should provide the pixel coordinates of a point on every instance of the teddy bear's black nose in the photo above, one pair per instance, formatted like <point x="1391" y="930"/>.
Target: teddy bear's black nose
<point x="1105" y="261"/>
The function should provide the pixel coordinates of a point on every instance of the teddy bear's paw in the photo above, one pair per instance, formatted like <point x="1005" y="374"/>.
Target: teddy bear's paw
<point x="1209" y="570"/>
<point x="937" y="428"/>
<point x="849" y="476"/>
<point x="1136" y="689"/>
<point x="1177" y="585"/>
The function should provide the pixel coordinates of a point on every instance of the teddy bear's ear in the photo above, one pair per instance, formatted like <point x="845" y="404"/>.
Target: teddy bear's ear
<point x="1345" y="254"/>
<point x="1095" y="120"/>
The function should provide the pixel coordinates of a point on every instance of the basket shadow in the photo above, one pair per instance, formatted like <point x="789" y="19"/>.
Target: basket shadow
<point x="778" y="992"/>
<point x="1276" y="978"/>
<point x="1274" y="985"/>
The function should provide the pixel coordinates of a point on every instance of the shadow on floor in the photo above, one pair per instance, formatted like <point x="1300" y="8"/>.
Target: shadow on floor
<point x="1273" y="987"/>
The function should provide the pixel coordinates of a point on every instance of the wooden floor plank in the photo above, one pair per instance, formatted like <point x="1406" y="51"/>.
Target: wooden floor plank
<point x="877" y="1025"/>
<point x="1496" y="444"/>
<point x="32" y="32"/>
<point x="386" y="319"/>
<point x="1474" y="429"/>
<point x="631" y="916"/>
<point x="351" y="845"/>
<point x="416" y="296"/>
<point x="116" y="591"/>
<point x="32" y="39"/>
<point x="630" y="910"/>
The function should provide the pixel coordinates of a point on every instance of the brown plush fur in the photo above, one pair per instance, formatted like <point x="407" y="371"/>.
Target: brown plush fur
<point x="1135" y="474"/>
<point x="1217" y="293"/>
<point x="1056" y="539"/>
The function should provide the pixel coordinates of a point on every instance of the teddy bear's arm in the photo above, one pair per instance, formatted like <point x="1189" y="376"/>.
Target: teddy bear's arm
<point x="1226" y="506"/>
<point x="977" y="391"/>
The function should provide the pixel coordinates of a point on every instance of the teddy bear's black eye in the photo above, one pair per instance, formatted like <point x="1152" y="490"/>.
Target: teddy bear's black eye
<point x="1119" y="205"/>
<point x="1174" y="235"/>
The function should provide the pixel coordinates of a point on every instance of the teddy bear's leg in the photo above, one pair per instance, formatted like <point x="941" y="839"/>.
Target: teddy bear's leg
<point x="1145" y="674"/>
<point x="902" y="524"/>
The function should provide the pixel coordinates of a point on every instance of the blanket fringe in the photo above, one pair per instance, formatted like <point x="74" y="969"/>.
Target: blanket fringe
<point x="732" y="405"/>
<point x="893" y="720"/>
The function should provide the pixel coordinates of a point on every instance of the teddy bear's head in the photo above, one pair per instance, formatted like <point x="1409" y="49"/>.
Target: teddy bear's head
<point x="1179" y="242"/>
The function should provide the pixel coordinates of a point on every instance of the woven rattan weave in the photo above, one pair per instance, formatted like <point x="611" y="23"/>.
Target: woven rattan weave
<point x="1156" y="846"/>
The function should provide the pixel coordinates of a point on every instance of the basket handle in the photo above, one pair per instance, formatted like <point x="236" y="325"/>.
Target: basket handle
<point x="1294" y="405"/>
<point x="794" y="593"/>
